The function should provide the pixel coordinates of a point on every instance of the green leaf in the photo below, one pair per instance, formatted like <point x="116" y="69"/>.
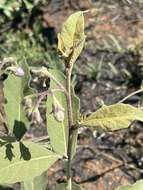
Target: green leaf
<point x="63" y="186"/>
<point x="38" y="183"/>
<point x="113" y="117"/>
<point x="28" y="5"/>
<point x="24" y="161"/>
<point x="137" y="186"/>
<point x="5" y="188"/>
<point x="14" y="90"/>
<point x="72" y="38"/>
<point x="76" y="116"/>
<point x="58" y="131"/>
<point x="75" y="106"/>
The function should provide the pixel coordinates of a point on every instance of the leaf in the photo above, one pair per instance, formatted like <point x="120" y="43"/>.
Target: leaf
<point x="14" y="90"/>
<point x="38" y="183"/>
<point x="72" y="38"/>
<point x="63" y="186"/>
<point x="24" y="161"/>
<point x="75" y="106"/>
<point x="58" y="131"/>
<point x="1" y="119"/>
<point x="76" y="116"/>
<point x="5" y="188"/>
<point x="113" y="117"/>
<point x="137" y="186"/>
<point x="28" y="5"/>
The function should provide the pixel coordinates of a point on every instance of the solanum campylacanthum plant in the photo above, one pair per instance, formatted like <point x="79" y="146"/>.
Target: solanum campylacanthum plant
<point x="27" y="160"/>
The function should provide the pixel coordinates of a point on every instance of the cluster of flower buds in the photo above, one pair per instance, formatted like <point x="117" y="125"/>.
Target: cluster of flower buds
<point x="42" y="72"/>
<point x="39" y="80"/>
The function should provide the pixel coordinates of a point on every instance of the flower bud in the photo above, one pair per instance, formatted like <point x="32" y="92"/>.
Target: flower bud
<point x="36" y="117"/>
<point x="28" y="106"/>
<point x="18" y="71"/>
<point x="9" y="60"/>
<point x="58" y="110"/>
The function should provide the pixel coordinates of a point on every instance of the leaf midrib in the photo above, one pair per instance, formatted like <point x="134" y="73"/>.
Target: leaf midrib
<point x="108" y="118"/>
<point x="21" y="162"/>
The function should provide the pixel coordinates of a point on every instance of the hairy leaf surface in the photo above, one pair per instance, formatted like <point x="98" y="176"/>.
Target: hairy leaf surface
<point x="5" y="188"/>
<point x="137" y="186"/>
<point x="113" y="117"/>
<point x="38" y="183"/>
<point x="76" y="117"/>
<point x="24" y="161"/>
<point x="63" y="186"/>
<point x="14" y="89"/>
<point x="58" y="130"/>
<point x="72" y="38"/>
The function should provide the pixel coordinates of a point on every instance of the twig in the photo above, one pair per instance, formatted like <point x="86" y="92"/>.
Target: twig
<point x="130" y="95"/>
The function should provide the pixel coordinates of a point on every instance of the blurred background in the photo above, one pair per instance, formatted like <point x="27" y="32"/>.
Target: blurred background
<point x="109" y="68"/>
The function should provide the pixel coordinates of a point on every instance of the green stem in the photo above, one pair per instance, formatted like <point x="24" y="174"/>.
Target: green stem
<point x="70" y="123"/>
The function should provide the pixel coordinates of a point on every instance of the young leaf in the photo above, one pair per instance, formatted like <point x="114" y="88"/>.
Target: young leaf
<point x="63" y="186"/>
<point x="113" y="117"/>
<point x="72" y="38"/>
<point x="137" y="186"/>
<point x="38" y="183"/>
<point x="14" y="89"/>
<point x="24" y="161"/>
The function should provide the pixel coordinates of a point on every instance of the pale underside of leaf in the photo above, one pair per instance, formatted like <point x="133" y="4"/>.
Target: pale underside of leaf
<point x="38" y="183"/>
<point x="19" y="168"/>
<point x="69" y="29"/>
<point x="72" y="38"/>
<point x="114" y="117"/>
<point x="63" y="186"/>
<point x="137" y="186"/>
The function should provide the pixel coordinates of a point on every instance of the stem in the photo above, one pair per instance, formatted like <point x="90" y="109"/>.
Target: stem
<point x="69" y="100"/>
<point x="70" y="123"/>
<point x="56" y="81"/>
<point x="130" y="95"/>
<point x="41" y="93"/>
